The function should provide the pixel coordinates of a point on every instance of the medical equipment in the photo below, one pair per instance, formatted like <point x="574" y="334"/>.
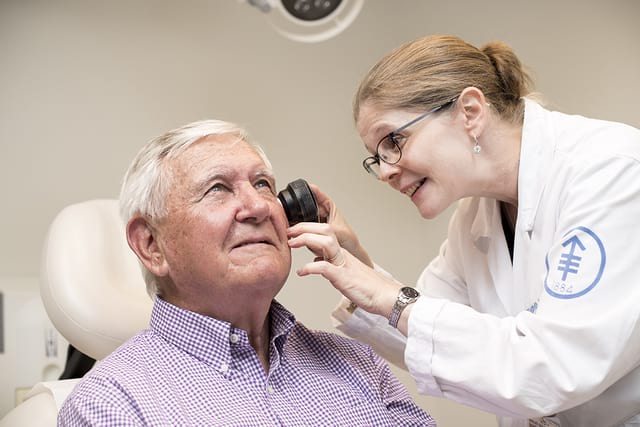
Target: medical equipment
<point x="299" y="203"/>
<point x="309" y="21"/>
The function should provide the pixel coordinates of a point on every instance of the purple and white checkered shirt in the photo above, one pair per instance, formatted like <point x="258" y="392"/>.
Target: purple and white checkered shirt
<point x="189" y="369"/>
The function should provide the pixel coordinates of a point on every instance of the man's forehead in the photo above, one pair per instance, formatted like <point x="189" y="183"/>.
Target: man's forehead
<point x="228" y="159"/>
<point x="214" y="148"/>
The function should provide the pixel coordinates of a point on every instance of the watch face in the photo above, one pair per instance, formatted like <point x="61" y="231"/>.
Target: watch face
<point x="410" y="292"/>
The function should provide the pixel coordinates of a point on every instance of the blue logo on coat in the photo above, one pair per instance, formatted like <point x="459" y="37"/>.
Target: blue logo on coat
<point x="576" y="265"/>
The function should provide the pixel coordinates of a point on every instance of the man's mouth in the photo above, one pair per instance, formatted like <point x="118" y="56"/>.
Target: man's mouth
<point x="255" y="241"/>
<point x="412" y="190"/>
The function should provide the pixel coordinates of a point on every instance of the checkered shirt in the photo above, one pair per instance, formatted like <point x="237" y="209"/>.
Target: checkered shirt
<point x="192" y="370"/>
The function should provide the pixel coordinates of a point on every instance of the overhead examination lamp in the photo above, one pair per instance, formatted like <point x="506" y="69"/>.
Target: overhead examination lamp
<point x="309" y="21"/>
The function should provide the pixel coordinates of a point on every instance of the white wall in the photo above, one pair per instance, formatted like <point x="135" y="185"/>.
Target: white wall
<point x="84" y="83"/>
<point x="33" y="350"/>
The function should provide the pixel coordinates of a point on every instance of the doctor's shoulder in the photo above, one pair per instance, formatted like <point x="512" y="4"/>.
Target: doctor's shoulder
<point x="579" y="136"/>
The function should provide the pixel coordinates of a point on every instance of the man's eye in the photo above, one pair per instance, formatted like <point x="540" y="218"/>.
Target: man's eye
<point x="263" y="183"/>
<point x="216" y="188"/>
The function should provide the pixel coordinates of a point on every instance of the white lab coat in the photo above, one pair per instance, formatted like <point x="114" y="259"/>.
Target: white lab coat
<point x="557" y="331"/>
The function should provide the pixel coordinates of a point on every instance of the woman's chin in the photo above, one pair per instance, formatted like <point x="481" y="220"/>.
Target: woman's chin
<point x="428" y="210"/>
<point x="428" y="215"/>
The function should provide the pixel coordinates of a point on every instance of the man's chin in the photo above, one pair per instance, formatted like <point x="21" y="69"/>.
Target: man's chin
<point x="265" y="267"/>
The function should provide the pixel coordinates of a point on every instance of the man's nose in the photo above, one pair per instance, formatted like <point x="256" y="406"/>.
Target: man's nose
<point x="253" y="206"/>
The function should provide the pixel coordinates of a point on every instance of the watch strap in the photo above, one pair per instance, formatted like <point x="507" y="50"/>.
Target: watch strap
<point x="406" y="296"/>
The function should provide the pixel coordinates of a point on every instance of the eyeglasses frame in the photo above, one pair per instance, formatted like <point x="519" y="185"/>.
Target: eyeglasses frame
<point x="375" y="159"/>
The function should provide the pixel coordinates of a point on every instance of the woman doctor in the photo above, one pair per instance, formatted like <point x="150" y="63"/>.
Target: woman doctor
<point x="531" y="309"/>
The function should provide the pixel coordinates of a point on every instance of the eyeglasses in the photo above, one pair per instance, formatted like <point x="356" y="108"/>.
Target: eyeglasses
<point x="388" y="148"/>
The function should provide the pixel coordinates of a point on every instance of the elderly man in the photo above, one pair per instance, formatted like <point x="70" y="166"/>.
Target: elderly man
<point x="203" y="218"/>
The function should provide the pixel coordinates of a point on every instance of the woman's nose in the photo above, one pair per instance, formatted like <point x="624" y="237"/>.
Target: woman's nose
<point x="388" y="172"/>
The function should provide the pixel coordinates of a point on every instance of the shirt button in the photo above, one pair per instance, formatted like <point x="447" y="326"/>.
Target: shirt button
<point x="224" y="367"/>
<point x="234" y="338"/>
<point x="270" y="389"/>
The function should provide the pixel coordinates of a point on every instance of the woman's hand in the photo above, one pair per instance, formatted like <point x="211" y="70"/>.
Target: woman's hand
<point x="365" y="287"/>
<point x="330" y="214"/>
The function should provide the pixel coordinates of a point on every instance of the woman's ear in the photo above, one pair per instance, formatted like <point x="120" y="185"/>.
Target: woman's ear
<point x="475" y="109"/>
<point x="143" y="241"/>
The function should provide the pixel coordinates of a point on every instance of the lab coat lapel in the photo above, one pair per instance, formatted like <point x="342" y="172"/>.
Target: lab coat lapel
<point x="536" y="153"/>
<point x="489" y="238"/>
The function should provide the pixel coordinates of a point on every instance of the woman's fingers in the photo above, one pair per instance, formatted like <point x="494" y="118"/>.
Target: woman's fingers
<point x="325" y="204"/>
<point x="338" y="259"/>
<point x="362" y="285"/>
<point x="318" y="238"/>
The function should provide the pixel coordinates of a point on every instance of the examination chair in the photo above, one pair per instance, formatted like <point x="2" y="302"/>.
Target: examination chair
<point x="93" y="291"/>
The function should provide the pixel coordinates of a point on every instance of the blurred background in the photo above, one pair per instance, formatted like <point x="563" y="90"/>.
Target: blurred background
<point x="84" y="84"/>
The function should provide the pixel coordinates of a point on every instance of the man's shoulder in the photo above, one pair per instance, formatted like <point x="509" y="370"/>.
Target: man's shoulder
<point x="128" y="356"/>
<point x="105" y="391"/>
<point x="107" y="377"/>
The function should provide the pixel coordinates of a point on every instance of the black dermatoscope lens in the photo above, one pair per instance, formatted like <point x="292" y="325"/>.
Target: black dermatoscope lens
<point x="299" y="203"/>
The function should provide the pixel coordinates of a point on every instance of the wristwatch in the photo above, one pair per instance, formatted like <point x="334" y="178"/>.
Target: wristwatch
<point x="406" y="296"/>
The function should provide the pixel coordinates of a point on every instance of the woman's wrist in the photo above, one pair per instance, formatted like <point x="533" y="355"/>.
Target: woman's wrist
<point x="388" y="300"/>
<point x="359" y="252"/>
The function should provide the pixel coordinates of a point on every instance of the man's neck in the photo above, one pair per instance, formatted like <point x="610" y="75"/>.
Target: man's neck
<point x="252" y="317"/>
<point x="260" y="341"/>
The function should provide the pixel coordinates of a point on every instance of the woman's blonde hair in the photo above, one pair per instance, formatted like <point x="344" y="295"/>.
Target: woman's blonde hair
<point x="432" y="70"/>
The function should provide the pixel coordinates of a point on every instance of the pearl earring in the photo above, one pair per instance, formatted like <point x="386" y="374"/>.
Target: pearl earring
<point x="476" y="148"/>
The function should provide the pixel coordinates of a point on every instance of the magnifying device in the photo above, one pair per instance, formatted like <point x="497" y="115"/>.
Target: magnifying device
<point x="299" y="202"/>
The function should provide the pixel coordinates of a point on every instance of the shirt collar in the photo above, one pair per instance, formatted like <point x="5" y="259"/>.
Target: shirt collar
<point x="209" y="339"/>
<point x="536" y="154"/>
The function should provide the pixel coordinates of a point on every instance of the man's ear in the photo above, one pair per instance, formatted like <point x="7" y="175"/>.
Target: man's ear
<point x="475" y="109"/>
<point x="142" y="239"/>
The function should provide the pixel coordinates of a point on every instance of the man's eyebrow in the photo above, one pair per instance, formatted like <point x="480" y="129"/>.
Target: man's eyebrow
<point x="267" y="174"/>
<point x="201" y="183"/>
<point x="204" y="180"/>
